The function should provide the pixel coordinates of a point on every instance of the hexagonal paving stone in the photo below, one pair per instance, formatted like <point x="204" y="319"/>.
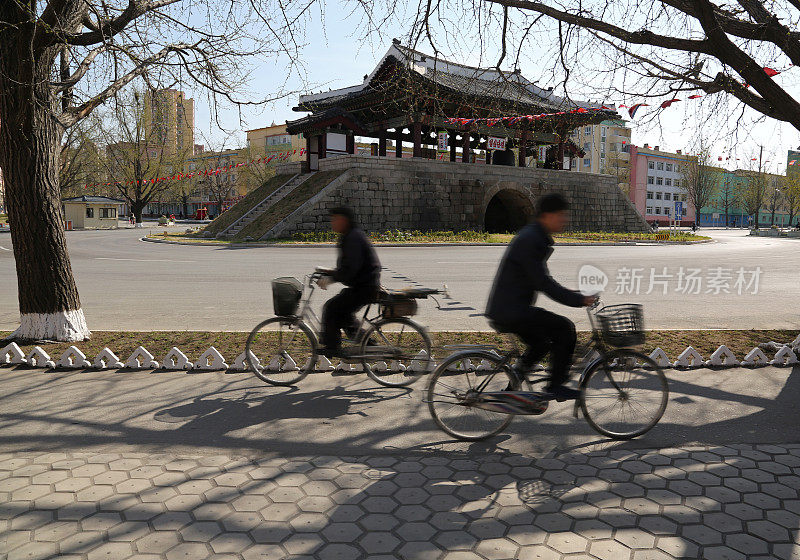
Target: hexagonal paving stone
<point x="746" y="544"/>
<point x="609" y="550"/>
<point x="270" y="533"/>
<point x="455" y="540"/>
<point x="231" y="542"/>
<point x="101" y="521"/>
<point x="279" y="512"/>
<point x="722" y="553"/>
<point x="415" y="531"/>
<point x="701" y="534"/>
<point x="378" y="522"/>
<point x="200" y="531"/>
<point x="188" y="551"/>
<point x="342" y="532"/>
<point x="378" y="542"/>
<point x="303" y="543"/>
<point x="659" y="525"/>
<point x="309" y="522"/>
<point x="635" y="538"/>
<point x="35" y="551"/>
<point x="745" y="512"/>
<point x="56" y="531"/>
<point x="641" y="506"/>
<point x="157" y="543"/>
<point x="761" y="500"/>
<point x="567" y="543"/>
<point x="678" y="547"/>
<point x="379" y="504"/>
<point x="128" y="531"/>
<point x="419" y="550"/>
<point x="111" y="551"/>
<point x="32" y="520"/>
<point x="487" y="528"/>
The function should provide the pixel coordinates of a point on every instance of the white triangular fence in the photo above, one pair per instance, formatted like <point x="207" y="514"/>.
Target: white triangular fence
<point x="211" y="360"/>
<point x="39" y="358"/>
<point x="12" y="354"/>
<point x="755" y="357"/>
<point x="784" y="357"/>
<point x="660" y="358"/>
<point x="723" y="356"/>
<point x="106" y="359"/>
<point x="141" y="359"/>
<point x="72" y="358"/>
<point x="241" y="363"/>
<point x="689" y="358"/>
<point x="176" y="360"/>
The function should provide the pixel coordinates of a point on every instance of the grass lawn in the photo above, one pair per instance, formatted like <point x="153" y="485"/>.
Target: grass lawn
<point x="3" y="219"/>
<point x="240" y="208"/>
<point x="434" y="237"/>
<point x="231" y="344"/>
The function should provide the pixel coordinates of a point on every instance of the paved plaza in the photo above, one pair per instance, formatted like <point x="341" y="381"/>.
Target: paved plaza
<point x="217" y="465"/>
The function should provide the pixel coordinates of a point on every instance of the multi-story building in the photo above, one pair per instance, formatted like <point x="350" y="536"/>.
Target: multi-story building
<point x="606" y="148"/>
<point x="656" y="183"/>
<point x="275" y="139"/>
<point x="169" y="121"/>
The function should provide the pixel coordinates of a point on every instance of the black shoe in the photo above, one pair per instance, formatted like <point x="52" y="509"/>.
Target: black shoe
<point x="561" y="393"/>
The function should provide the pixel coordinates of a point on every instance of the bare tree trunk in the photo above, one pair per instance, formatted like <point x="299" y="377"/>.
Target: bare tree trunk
<point x="30" y="141"/>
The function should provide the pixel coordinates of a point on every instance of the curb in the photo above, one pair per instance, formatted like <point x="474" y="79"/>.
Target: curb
<point x="464" y="244"/>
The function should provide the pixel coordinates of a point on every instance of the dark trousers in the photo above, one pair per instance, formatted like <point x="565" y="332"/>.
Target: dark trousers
<point x="339" y="313"/>
<point x="545" y="332"/>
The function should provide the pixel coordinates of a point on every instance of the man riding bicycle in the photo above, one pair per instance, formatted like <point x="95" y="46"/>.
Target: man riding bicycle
<point x="522" y="274"/>
<point x="358" y="268"/>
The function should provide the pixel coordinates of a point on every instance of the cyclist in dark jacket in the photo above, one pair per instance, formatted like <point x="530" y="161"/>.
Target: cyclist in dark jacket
<point x="522" y="274"/>
<point x="358" y="268"/>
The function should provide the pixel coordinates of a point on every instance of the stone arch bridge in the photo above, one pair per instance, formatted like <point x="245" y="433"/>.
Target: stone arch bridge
<point x="419" y="194"/>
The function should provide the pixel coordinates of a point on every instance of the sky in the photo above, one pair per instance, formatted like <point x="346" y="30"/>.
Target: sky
<point x="337" y="55"/>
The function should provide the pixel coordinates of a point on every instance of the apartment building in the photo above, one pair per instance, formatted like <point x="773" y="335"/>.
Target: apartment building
<point x="656" y="184"/>
<point x="599" y="142"/>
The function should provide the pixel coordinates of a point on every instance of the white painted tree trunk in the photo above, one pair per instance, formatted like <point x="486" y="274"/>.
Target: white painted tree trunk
<point x="65" y="326"/>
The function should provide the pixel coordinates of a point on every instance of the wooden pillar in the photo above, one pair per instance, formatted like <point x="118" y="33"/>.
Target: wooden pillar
<point x="382" y="143"/>
<point x="351" y="143"/>
<point x="398" y="149"/>
<point x="308" y="152"/>
<point x="417" y="136"/>
<point x="323" y="145"/>
<point x="523" y="148"/>
<point x="466" y="137"/>
<point x="560" y="156"/>
<point x="451" y="143"/>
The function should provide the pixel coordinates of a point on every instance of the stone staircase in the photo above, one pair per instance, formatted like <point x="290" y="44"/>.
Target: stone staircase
<point x="237" y="226"/>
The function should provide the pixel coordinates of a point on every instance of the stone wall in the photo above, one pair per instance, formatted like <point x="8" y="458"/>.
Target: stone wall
<point x="421" y="194"/>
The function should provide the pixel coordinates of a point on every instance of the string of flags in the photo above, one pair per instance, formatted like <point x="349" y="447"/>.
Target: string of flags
<point x="632" y="109"/>
<point x="280" y="156"/>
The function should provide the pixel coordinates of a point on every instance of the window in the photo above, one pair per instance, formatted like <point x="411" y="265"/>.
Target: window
<point x="108" y="212"/>
<point x="667" y="196"/>
<point x="658" y="210"/>
<point x="651" y="165"/>
<point x="649" y="210"/>
<point x="669" y="167"/>
<point x="683" y="198"/>
<point x="659" y="180"/>
<point x="587" y="162"/>
<point x="587" y="130"/>
<point x="586" y="146"/>
<point x="574" y="163"/>
<point x="649" y="195"/>
<point x="658" y="195"/>
<point x="668" y="182"/>
<point x="651" y="180"/>
<point x="89" y="212"/>
<point x="603" y="131"/>
<point x="660" y="166"/>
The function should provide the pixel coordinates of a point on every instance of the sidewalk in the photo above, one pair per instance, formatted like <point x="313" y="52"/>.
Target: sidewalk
<point x="723" y="502"/>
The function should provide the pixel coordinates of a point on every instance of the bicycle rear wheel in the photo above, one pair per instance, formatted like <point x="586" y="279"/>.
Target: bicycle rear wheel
<point x="456" y="386"/>
<point x="625" y="396"/>
<point x="281" y="350"/>
<point x="396" y="352"/>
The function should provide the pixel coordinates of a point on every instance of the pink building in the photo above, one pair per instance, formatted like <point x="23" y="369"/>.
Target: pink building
<point x="656" y="184"/>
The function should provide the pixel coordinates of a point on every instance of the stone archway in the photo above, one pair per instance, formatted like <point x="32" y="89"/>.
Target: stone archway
<point x="507" y="211"/>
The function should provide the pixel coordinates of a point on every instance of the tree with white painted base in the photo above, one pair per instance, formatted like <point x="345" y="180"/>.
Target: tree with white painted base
<point x="59" y="61"/>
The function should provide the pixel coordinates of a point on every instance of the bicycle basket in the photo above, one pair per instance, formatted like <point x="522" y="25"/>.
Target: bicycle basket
<point x="286" y="294"/>
<point x="621" y="325"/>
<point x="399" y="307"/>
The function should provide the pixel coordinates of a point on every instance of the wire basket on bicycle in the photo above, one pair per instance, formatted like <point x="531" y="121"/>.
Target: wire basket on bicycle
<point x="621" y="325"/>
<point x="286" y="294"/>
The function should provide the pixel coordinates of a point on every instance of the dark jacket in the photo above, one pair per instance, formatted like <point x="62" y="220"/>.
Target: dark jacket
<point x="522" y="273"/>
<point x="358" y="265"/>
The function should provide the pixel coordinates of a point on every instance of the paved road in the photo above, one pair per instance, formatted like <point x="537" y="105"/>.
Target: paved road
<point x="213" y="465"/>
<point x="126" y="284"/>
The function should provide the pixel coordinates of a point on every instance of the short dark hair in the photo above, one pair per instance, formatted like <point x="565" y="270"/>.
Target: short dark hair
<point x="551" y="202"/>
<point x="343" y="211"/>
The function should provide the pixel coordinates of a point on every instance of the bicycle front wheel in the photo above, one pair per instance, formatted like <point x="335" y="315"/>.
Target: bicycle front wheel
<point x="455" y="394"/>
<point x="625" y="396"/>
<point x="396" y="352"/>
<point x="282" y="350"/>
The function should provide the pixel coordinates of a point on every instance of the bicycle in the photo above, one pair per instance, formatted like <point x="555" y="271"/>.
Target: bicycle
<point x="467" y="394"/>
<point x="392" y="349"/>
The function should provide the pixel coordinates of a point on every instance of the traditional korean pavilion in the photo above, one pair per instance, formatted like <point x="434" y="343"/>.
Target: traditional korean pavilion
<point x="413" y="97"/>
